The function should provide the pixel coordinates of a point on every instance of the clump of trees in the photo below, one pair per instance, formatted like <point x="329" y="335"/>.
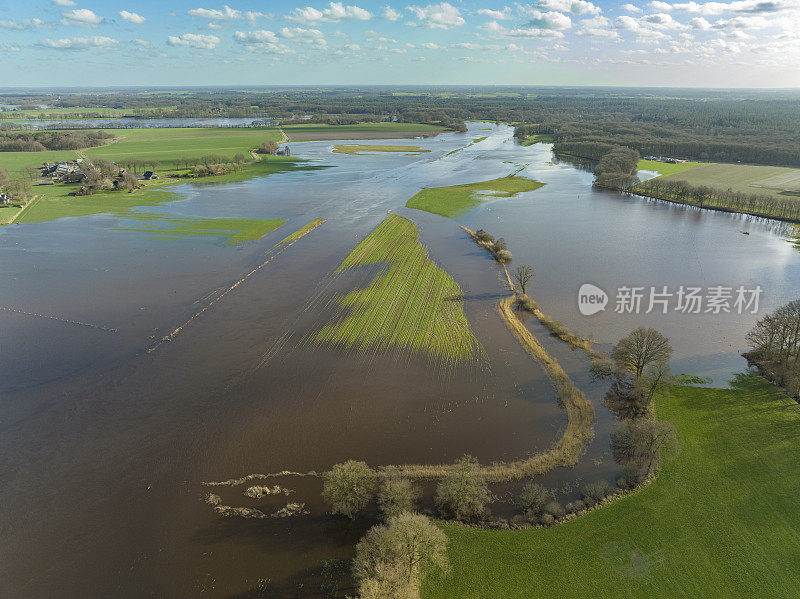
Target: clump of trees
<point x="463" y="493"/>
<point x="39" y="141"/>
<point x="17" y="190"/>
<point x="497" y="247"/>
<point x="393" y="559"/>
<point x="268" y="147"/>
<point x="617" y="168"/>
<point x="775" y="342"/>
<point x="397" y="495"/>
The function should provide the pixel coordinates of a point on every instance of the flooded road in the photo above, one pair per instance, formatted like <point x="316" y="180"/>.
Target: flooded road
<point x="104" y="447"/>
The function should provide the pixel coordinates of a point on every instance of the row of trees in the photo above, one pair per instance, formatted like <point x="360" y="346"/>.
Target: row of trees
<point x="775" y="342"/>
<point x="39" y="141"/>
<point x="703" y="196"/>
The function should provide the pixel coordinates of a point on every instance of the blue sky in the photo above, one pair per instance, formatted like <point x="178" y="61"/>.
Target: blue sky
<point x="742" y="43"/>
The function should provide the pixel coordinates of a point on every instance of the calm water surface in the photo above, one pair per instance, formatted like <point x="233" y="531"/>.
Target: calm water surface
<point x="104" y="446"/>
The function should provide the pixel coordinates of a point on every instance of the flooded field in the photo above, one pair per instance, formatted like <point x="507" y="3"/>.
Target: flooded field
<point x="105" y="446"/>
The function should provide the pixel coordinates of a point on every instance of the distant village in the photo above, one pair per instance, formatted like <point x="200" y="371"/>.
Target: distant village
<point x="665" y="159"/>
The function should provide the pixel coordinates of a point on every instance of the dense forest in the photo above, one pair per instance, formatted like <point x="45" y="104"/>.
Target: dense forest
<point x="753" y="126"/>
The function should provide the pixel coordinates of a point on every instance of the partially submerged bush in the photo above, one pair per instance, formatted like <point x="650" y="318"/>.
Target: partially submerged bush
<point x="528" y="303"/>
<point x="348" y="487"/>
<point x="463" y="492"/>
<point x="534" y="497"/>
<point x="397" y="495"/>
<point x="503" y="256"/>
<point x="554" y="508"/>
<point x="483" y="236"/>
<point x="630" y="477"/>
<point x="597" y="490"/>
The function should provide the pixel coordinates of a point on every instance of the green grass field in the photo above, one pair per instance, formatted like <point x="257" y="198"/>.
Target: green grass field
<point x="776" y="181"/>
<point x="721" y="519"/>
<point x="368" y="149"/>
<point x="411" y="305"/>
<point x="666" y="168"/>
<point x="55" y="201"/>
<point x="456" y="200"/>
<point x="168" y="146"/>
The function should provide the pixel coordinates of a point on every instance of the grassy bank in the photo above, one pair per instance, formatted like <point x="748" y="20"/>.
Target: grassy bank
<point x="546" y="138"/>
<point x="368" y="149"/>
<point x="411" y="305"/>
<point x="721" y="519"/>
<point x="456" y="200"/>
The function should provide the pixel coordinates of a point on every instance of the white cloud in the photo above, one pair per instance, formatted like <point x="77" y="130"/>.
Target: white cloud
<point x="631" y="8"/>
<point x="737" y="6"/>
<point x="740" y="23"/>
<point x="597" y="27"/>
<point x="194" y="40"/>
<point x="142" y="43"/>
<point x="699" y="23"/>
<point x="226" y="13"/>
<point x="80" y="17"/>
<point x="497" y="15"/>
<point x="81" y="43"/>
<point x="64" y="3"/>
<point x="437" y="16"/>
<point x="335" y="12"/>
<point x="265" y="41"/>
<point x="21" y="25"/>
<point x="131" y="17"/>
<point x="429" y="46"/>
<point x="662" y="20"/>
<point x="575" y="7"/>
<point x="495" y="28"/>
<point x="391" y="14"/>
<point x="547" y="20"/>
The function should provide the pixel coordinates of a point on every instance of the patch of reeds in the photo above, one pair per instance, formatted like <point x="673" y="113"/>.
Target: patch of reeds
<point x="558" y="329"/>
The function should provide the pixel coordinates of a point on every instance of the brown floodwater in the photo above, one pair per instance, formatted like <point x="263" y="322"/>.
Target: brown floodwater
<point x="105" y="448"/>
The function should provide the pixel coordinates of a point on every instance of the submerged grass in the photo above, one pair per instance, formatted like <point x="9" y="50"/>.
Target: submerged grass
<point x="317" y="222"/>
<point x="567" y="449"/>
<point x="472" y="143"/>
<point x="235" y="231"/>
<point x="369" y="149"/>
<point x="456" y="200"/>
<point x="411" y="305"/>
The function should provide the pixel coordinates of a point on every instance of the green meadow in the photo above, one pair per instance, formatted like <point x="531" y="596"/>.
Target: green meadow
<point x="538" y="138"/>
<point x="233" y="231"/>
<point x="720" y="520"/>
<point x="410" y="305"/>
<point x="776" y="181"/>
<point x="456" y="200"/>
<point x="666" y="168"/>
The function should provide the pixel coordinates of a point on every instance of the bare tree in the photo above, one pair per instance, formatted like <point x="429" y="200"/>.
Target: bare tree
<point x="463" y="491"/>
<point x="639" y="349"/>
<point x="522" y="275"/>
<point x="348" y="487"/>
<point x="641" y="441"/>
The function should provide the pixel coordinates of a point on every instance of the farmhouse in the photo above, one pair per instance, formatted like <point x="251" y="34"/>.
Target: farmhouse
<point x="5" y="200"/>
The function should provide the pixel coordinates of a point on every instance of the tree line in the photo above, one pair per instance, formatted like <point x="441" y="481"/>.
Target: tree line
<point x="617" y="168"/>
<point x="775" y="342"/>
<point x="39" y="141"/>
<point x="702" y="196"/>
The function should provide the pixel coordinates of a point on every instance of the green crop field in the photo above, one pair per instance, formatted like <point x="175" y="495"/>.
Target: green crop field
<point x="776" y="181"/>
<point x="721" y="519"/>
<point x="456" y="200"/>
<point x="411" y="305"/>
<point x="368" y="149"/>
<point x="168" y="146"/>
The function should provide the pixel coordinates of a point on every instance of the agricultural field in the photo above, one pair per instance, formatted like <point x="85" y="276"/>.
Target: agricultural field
<point x="721" y="519"/>
<point x="455" y="200"/>
<point x="387" y="130"/>
<point x="776" y="181"/>
<point x="411" y="305"/>
<point x="168" y="146"/>
<point x="361" y="149"/>
<point x="665" y="168"/>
